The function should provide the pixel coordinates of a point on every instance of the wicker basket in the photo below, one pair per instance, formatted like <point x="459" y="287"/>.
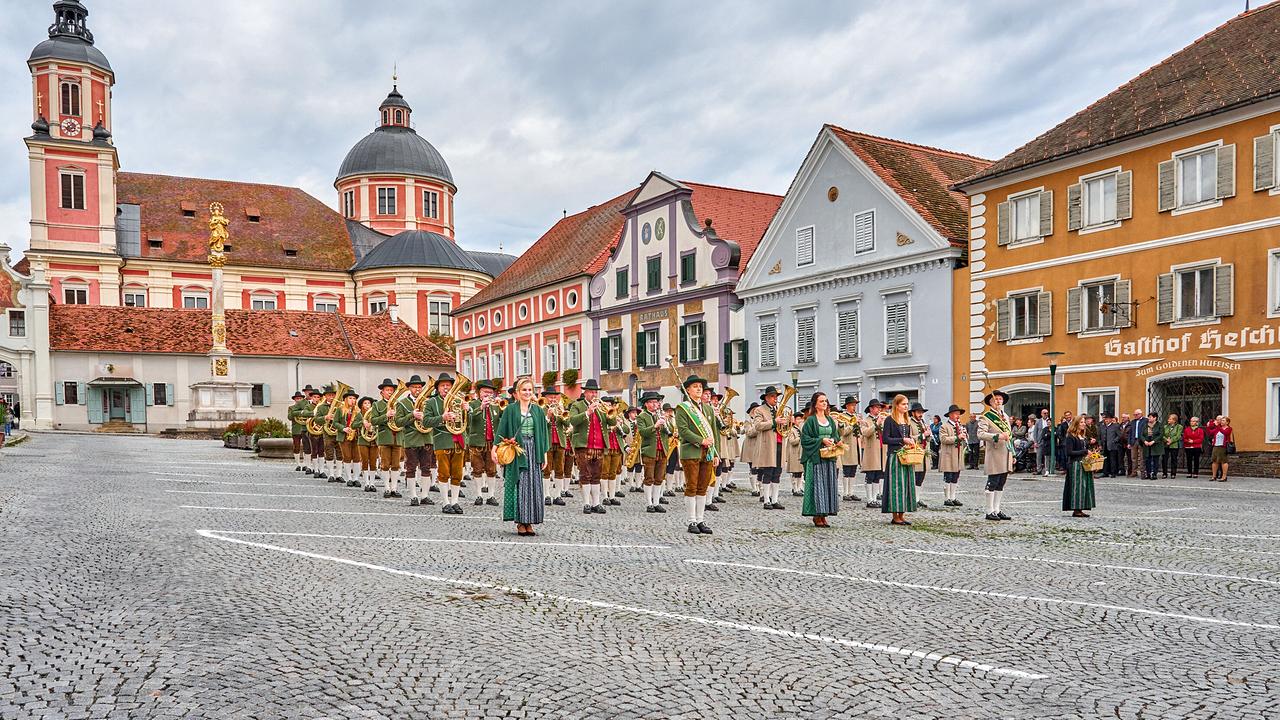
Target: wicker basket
<point x="831" y="452"/>
<point x="911" y="456"/>
<point x="507" y="452"/>
<point x="1093" y="464"/>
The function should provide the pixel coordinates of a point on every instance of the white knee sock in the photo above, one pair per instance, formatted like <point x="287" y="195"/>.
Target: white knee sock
<point x="991" y="502"/>
<point x="999" y="495"/>
<point x="411" y="486"/>
<point x="690" y="504"/>
<point x="700" y="506"/>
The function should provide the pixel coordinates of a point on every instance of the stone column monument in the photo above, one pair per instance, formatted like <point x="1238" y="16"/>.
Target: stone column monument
<point x="219" y="399"/>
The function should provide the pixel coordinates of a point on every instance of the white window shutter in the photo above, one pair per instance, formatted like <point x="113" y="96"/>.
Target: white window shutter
<point x="1227" y="171"/>
<point x="848" y="334"/>
<point x="1044" y="314"/>
<point x="149" y="393"/>
<point x="1074" y="221"/>
<point x="1264" y="162"/>
<point x="805" y="351"/>
<point x="1002" y="222"/>
<point x="168" y="393"/>
<point x="59" y="397"/>
<point x="1167" y="197"/>
<point x="864" y="231"/>
<point x="1004" y="328"/>
<point x="1124" y="311"/>
<point x="1224" y="290"/>
<point x="1075" y="321"/>
<point x="1164" y="298"/>
<point x="1046" y="213"/>
<point x="804" y="246"/>
<point x="1124" y="195"/>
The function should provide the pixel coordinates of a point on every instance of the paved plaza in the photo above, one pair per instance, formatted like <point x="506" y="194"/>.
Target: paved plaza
<point x="149" y="578"/>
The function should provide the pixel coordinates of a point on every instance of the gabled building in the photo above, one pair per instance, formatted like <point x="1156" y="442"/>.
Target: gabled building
<point x="851" y="284"/>
<point x="666" y="287"/>
<point x="1138" y="238"/>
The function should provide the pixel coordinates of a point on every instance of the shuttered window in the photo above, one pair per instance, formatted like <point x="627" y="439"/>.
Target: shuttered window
<point x="693" y="342"/>
<point x="1025" y="218"/>
<point x="805" y="350"/>
<point x="653" y="271"/>
<point x="1099" y="198"/>
<point x="622" y="284"/>
<point x="864" y="232"/>
<point x="769" y="343"/>
<point x="72" y="190"/>
<point x="847" y="334"/>
<point x="897" y="333"/>
<point x="1198" y="293"/>
<point x="804" y="246"/>
<point x="1197" y="178"/>
<point x="1024" y="315"/>
<point x="1264" y="162"/>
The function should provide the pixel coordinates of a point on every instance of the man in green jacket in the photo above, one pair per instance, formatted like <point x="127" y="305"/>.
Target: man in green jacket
<point x="482" y="421"/>
<point x="297" y="424"/>
<point x="382" y="415"/>
<point x="697" y="428"/>
<point x="449" y="448"/>
<point x="312" y="443"/>
<point x="418" y="456"/>
<point x="651" y="425"/>
<point x="322" y="414"/>
<point x="591" y="424"/>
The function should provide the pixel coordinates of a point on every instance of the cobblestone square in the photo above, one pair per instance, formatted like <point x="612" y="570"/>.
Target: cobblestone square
<point x="146" y="578"/>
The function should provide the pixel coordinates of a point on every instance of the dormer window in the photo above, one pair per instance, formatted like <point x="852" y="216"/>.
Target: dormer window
<point x="188" y="209"/>
<point x="155" y="243"/>
<point x="253" y="214"/>
<point x="188" y="213"/>
<point x="290" y="253"/>
<point x="70" y="97"/>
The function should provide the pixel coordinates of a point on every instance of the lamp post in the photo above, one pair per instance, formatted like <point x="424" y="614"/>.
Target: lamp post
<point x="1053" y="356"/>
<point x="795" y="383"/>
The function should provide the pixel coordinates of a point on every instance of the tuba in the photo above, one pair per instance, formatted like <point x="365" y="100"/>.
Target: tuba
<point x="632" y="457"/>
<point x="455" y="401"/>
<point x="420" y="405"/>
<point x="392" y="401"/>
<point x="340" y="389"/>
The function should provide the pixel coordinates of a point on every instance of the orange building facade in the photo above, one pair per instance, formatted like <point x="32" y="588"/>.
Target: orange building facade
<point x="1141" y="239"/>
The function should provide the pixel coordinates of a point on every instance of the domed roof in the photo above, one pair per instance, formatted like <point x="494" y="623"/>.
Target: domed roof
<point x="392" y="150"/>
<point x="69" y="37"/>
<point x="418" y="248"/>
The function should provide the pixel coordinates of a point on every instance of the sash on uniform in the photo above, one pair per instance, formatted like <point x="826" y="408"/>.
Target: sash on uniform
<point x="700" y="422"/>
<point x="1001" y="424"/>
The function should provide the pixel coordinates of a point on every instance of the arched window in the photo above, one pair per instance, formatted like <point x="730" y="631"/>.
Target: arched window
<point x="386" y="117"/>
<point x="263" y="300"/>
<point x="133" y="296"/>
<point x="399" y="117"/>
<point x="195" y="298"/>
<point x="325" y="303"/>
<point x="70" y="98"/>
<point x="6" y="371"/>
<point x="377" y="303"/>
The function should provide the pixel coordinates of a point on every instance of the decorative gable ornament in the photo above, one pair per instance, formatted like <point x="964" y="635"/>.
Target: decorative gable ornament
<point x="904" y="240"/>
<point x="777" y="268"/>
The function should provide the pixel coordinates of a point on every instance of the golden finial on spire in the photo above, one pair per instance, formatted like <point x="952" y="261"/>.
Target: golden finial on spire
<point x="395" y="74"/>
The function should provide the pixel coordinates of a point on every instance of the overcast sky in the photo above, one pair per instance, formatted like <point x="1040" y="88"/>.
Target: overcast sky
<point x="541" y="107"/>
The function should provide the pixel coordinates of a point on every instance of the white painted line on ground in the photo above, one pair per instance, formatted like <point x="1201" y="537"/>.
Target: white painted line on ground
<point x="254" y="484"/>
<point x="1190" y="487"/>
<point x="1149" y="517"/>
<point x="1178" y="547"/>
<point x="450" y="541"/>
<point x="273" y="495"/>
<point x="603" y="605"/>
<point x="1031" y="502"/>
<point x="1245" y="537"/>
<point x="195" y="463"/>
<point x="181" y="474"/>
<point x="990" y="593"/>
<point x="338" y="512"/>
<point x="1158" y="571"/>
<point x="1152" y="512"/>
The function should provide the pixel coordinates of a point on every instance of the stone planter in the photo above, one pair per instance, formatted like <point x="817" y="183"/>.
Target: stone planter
<point x="275" y="448"/>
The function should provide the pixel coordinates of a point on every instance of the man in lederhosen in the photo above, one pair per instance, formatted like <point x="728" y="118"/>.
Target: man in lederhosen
<point x="313" y="441"/>
<point x="852" y="454"/>
<point x="871" y="426"/>
<point x="652" y="427"/>
<point x="381" y="416"/>
<point x="450" y="449"/>
<point x="324" y="414"/>
<point x="482" y="421"/>
<point x="954" y="442"/>
<point x="611" y="464"/>
<point x="297" y="414"/>
<point x="771" y="423"/>
<point x="995" y="434"/>
<point x="419" y="456"/>
<point x="590" y="426"/>
<point x="697" y="428"/>
<point x="555" y="455"/>
<point x="922" y="435"/>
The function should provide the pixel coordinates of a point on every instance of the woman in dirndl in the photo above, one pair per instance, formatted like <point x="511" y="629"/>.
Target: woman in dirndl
<point x="821" y="475"/>
<point x="526" y="424"/>
<point x="899" y="496"/>
<point x="1077" y="491"/>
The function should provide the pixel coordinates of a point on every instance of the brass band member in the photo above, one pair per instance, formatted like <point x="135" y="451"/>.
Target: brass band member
<point x="654" y="441"/>
<point x="921" y="433"/>
<point x="450" y="449"/>
<point x="482" y="422"/>
<point x="697" y="426"/>
<point x="873" y="450"/>
<point x="852" y="455"/>
<point x="611" y="464"/>
<point x="345" y="421"/>
<point x="419" y="457"/>
<point x="382" y="415"/>
<point x="635" y="474"/>
<point x="673" y="456"/>
<point x="765" y="448"/>
<point x="313" y="442"/>
<point x="297" y="417"/>
<point x="590" y="425"/>
<point x="553" y="410"/>
<point x="712" y="399"/>
<point x="324" y="413"/>
<point x="366" y="449"/>
<point x="954" y="438"/>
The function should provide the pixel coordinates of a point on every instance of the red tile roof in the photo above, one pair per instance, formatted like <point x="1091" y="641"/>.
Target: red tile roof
<point x="290" y="218"/>
<point x="576" y="245"/>
<point x="922" y="176"/>
<point x="8" y="291"/>
<point x="1236" y="64"/>
<point x="273" y="333"/>
<point x="738" y="215"/>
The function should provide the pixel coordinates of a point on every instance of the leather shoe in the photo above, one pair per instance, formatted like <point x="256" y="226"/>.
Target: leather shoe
<point x="693" y="529"/>
<point x="704" y="528"/>
<point x="557" y="501"/>
<point x="662" y="501"/>
<point x="479" y="501"/>
<point x="586" y="510"/>
<point x="992" y="516"/>
<point x="659" y="509"/>
<point x="599" y="510"/>
<point x="874" y="504"/>
<point x="649" y="509"/>
<point x="428" y="501"/>
<point x="546" y="501"/>
<point x="492" y="501"/>
<point x="413" y="502"/>
<point x="713" y="508"/>
<point x="1002" y="516"/>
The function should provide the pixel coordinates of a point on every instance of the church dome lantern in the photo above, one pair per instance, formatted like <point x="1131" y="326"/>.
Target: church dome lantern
<point x="394" y="148"/>
<point x="70" y="38"/>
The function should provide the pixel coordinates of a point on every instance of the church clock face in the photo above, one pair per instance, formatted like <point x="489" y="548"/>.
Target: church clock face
<point x="70" y="127"/>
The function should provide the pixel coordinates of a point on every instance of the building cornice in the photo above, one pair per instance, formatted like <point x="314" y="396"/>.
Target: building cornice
<point x="842" y="278"/>
<point x="662" y="300"/>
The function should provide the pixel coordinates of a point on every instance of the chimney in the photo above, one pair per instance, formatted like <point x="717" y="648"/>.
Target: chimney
<point x="394" y="312"/>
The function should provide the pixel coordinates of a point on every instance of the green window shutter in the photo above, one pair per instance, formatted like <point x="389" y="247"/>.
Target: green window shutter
<point x="640" y="349"/>
<point x="58" y="397"/>
<point x="702" y="342"/>
<point x="684" y="341"/>
<point x="168" y="393"/>
<point x="742" y="356"/>
<point x="604" y="354"/>
<point x="726" y="357"/>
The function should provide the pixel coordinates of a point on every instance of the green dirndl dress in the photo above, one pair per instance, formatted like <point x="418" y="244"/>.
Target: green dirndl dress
<point x="821" y="477"/>
<point x="1077" y="491"/>
<point x="899" y="492"/>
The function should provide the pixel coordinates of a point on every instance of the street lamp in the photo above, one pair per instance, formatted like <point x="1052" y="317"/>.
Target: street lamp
<point x="1053" y="356"/>
<point x="795" y="383"/>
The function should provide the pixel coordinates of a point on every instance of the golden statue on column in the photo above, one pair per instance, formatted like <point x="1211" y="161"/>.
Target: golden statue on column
<point x="217" y="258"/>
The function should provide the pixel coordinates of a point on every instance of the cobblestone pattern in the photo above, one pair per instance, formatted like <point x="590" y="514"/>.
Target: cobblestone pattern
<point x="112" y="605"/>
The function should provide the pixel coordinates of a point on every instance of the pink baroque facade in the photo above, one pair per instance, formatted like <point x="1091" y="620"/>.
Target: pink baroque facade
<point x="530" y="333"/>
